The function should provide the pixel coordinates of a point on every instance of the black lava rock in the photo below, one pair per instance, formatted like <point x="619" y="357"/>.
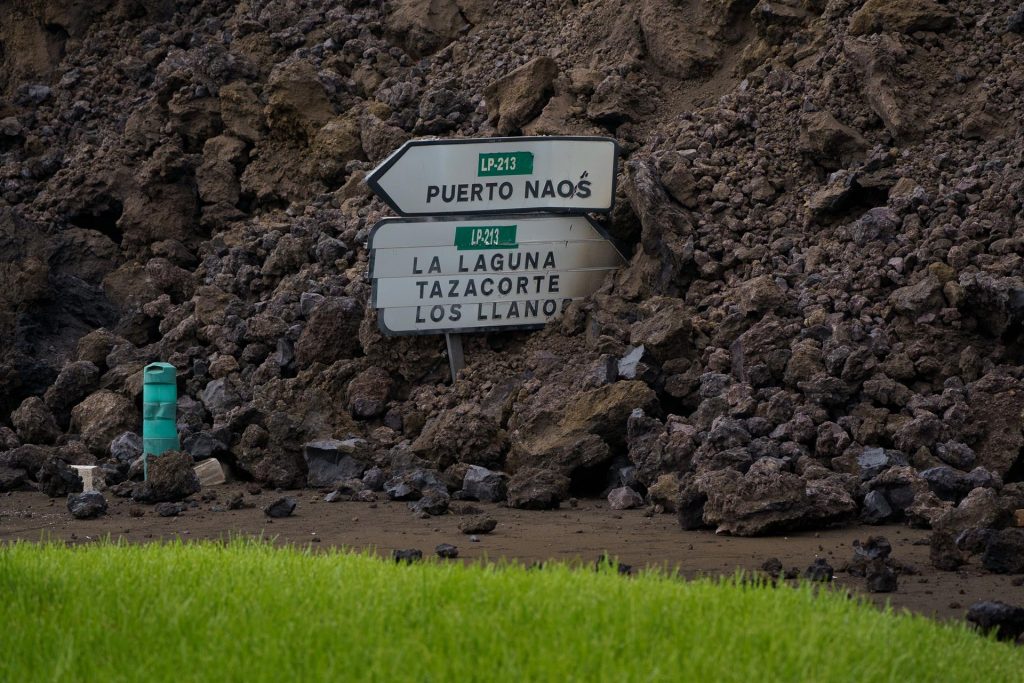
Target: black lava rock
<point x="87" y="505"/>
<point x="991" y="615"/>
<point x="57" y="479"/>
<point x="446" y="551"/>
<point x="881" y="578"/>
<point x="772" y="566"/>
<point x="1004" y="553"/>
<point x="864" y="554"/>
<point x="946" y="483"/>
<point x="483" y="484"/>
<point x="169" y="509"/>
<point x="690" y="509"/>
<point x="432" y="503"/>
<point x="821" y="571"/>
<point x="974" y="541"/>
<point x="282" y="507"/>
<point x="408" y="555"/>
<point x="876" y="508"/>
<point x="1016" y="22"/>
<point x="944" y="553"/>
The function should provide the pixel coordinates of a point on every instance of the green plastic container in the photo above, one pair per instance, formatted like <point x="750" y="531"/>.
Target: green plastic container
<point x="159" y="411"/>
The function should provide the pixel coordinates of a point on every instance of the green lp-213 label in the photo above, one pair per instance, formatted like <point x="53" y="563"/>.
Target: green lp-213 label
<point x="505" y="163"/>
<point x="485" y="237"/>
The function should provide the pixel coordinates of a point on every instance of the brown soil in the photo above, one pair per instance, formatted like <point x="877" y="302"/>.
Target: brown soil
<point x="577" y="534"/>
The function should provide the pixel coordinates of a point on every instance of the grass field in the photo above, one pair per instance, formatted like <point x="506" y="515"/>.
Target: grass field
<point x="244" y="611"/>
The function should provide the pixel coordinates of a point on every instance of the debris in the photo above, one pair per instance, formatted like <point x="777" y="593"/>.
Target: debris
<point x="282" y="507"/>
<point x="210" y="472"/>
<point x="87" y="505"/>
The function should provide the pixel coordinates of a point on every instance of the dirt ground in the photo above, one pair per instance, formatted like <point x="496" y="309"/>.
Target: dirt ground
<point x="577" y="534"/>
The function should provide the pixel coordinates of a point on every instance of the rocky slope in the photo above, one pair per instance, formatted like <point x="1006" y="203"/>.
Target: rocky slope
<point x="822" y="199"/>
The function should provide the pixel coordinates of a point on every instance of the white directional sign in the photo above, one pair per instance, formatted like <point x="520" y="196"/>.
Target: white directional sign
<point x="499" y="175"/>
<point x="484" y="273"/>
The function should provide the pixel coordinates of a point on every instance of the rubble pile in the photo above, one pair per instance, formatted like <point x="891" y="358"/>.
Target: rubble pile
<point x="820" y="201"/>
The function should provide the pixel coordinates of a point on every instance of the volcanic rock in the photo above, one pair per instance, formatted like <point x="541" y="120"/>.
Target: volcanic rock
<point x="101" y="417"/>
<point x="831" y="143"/>
<point x="1004" y="553"/>
<point x="57" y="479"/>
<point x="1007" y="621"/>
<point x="537" y="489"/>
<point x="946" y="483"/>
<point x="874" y="548"/>
<point x="329" y="461"/>
<point x="171" y="478"/>
<point x="664" y="492"/>
<point x="485" y="485"/>
<point x="519" y="97"/>
<point x="374" y="479"/>
<point x="772" y="566"/>
<point x="944" y="553"/>
<point x="426" y="26"/>
<point x="11" y="477"/>
<point x="414" y="484"/>
<point x="87" y="505"/>
<point x="820" y="571"/>
<point x="407" y="556"/>
<point x="126" y="448"/>
<point x="446" y="551"/>
<point x="479" y="524"/>
<point x="570" y="431"/>
<point x="880" y="578"/>
<point x="905" y="16"/>
<point x="432" y="503"/>
<point x="997" y="406"/>
<point x="463" y="434"/>
<point x="34" y="422"/>
<point x="330" y="334"/>
<point x="169" y="509"/>
<point x="768" y="499"/>
<point x="876" y="509"/>
<point x="368" y="393"/>
<point x="282" y="507"/>
<point x="624" y="498"/>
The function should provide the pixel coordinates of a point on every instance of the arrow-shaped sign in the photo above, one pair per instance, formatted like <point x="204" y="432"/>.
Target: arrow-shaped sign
<point x="499" y="175"/>
<point x="484" y="273"/>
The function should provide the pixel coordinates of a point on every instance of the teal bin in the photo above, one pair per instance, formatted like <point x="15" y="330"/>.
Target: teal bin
<point x="159" y="411"/>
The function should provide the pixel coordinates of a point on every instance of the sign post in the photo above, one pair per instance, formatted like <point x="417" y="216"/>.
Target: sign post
<point x="456" y="360"/>
<point x="504" y="242"/>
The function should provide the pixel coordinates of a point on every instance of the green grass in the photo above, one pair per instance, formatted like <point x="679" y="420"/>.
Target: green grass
<point x="245" y="611"/>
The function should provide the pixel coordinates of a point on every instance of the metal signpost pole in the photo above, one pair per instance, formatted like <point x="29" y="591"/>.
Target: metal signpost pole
<point x="456" y="360"/>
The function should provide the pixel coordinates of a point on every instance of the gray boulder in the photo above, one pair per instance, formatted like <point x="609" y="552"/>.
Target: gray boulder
<point x="485" y="485"/>
<point x="126" y="448"/>
<point x="87" y="505"/>
<point x="333" y="460"/>
<point x="282" y="507"/>
<point x="624" y="498"/>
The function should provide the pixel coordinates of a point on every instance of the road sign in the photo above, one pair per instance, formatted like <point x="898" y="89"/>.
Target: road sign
<point x="484" y="273"/>
<point x="554" y="174"/>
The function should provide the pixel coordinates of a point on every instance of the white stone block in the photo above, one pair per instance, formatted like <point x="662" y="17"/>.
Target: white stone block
<point x="210" y="472"/>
